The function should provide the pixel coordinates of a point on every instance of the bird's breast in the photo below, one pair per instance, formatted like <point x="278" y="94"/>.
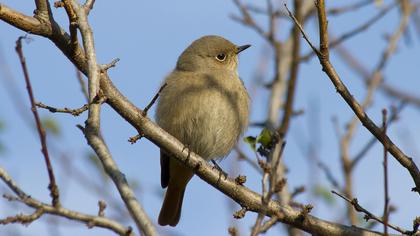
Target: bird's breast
<point x="206" y="112"/>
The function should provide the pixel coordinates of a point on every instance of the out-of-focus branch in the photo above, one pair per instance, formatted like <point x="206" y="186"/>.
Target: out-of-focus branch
<point x="356" y="31"/>
<point x="243" y="157"/>
<point x="393" y="117"/>
<point x="323" y="56"/>
<point x="291" y="84"/>
<point x="79" y="77"/>
<point x="368" y="215"/>
<point x="385" y="164"/>
<point x="351" y="7"/>
<point x="373" y="84"/>
<point x="42" y="208"/>
<point x="52" y="186"/>
<point x="406" y="11"/>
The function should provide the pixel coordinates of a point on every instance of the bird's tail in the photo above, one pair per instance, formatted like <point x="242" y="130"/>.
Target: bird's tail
<point x="171" y="207"/>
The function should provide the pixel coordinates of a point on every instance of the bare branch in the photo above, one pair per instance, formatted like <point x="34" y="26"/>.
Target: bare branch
<point x="42" y="208"/>
<point x="54" y="192"/>
<point x="23" y="219"/>
<point x="88" y="6"/>
<point x="350" y="7"/>
<point x="24" y="22"/>
<point x="74" y="112"/>
<point x="146" y="109"/>
<point x="323" y="56"/>
<point x="385" y="163"/>
<point x="113" y="63"/>
<point x="345" y="36"/>
<point x="368" y="214"/>
<point x="291" y="86"/>
<point x="92" y="130"/>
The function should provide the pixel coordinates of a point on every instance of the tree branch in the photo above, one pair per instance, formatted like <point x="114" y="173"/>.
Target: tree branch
<point x="42" y="208"/>
<point x="327" y="67"/>
<point x="92" y="130"/>
<point x="54" y="192"/>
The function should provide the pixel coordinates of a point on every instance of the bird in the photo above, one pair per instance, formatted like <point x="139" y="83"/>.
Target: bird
<point x="205" y="105"/>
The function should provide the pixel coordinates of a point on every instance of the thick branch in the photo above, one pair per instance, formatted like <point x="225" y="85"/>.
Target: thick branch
<point x="92" y="130"/>
<point x="26" y="23"/>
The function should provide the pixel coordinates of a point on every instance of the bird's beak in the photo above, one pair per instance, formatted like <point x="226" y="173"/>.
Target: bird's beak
<point x="241" y="48"/>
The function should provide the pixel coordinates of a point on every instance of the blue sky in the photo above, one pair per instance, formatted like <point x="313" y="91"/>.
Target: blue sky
<point x="148" y="36"/>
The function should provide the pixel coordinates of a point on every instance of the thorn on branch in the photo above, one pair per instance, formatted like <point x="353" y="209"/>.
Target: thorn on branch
<point x="134" y="139"/>
<point x="240" y="214"/>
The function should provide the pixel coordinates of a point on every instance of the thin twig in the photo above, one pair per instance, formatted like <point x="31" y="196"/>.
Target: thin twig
<point x="345" y="36"/>
<point x="42" y="208"/>
<point x="368" y="214"/>
<point x="351" y="7"/>
<point x="247" y="19"/>
<point x="243" y="157"/>
<point x="291" y="84"/>
<point x="23" y="219"/>
<point x="135" y="138"/>
<point x="113" y="63"/>
<point x="302" y="31"/>
<point x="79" y="77"/>
<point x="385" y="163"/>
<point x="393" y="117"/>
<point x="54" y="192"/>
<point x="146" y="109"/>
<point x="74" y="112"/>
<point x="323" y="56"/>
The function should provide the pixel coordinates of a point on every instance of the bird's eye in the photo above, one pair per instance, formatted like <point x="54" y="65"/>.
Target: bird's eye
<point x="221" y="57"/>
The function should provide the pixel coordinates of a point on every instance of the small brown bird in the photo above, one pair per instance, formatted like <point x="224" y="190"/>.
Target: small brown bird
<point x="205" y="106"/>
